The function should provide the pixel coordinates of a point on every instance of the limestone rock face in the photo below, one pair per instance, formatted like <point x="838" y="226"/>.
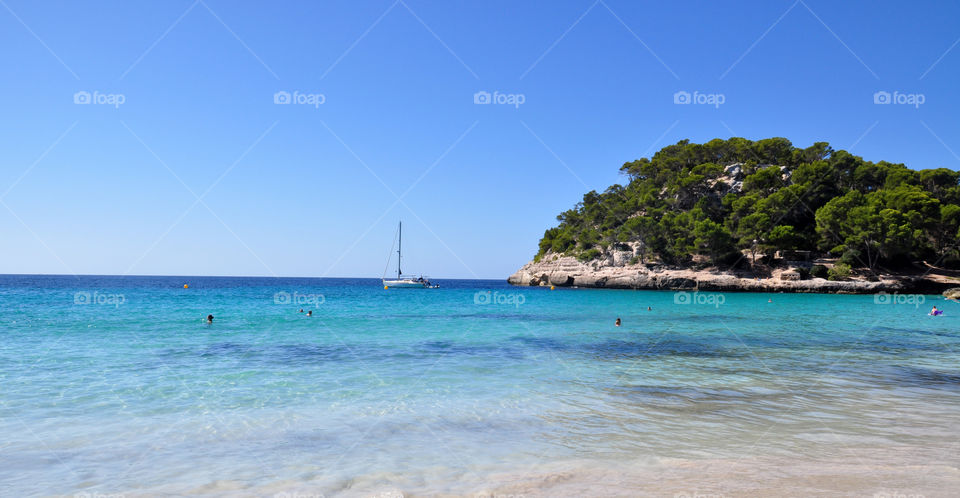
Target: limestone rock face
<point x="614" y="273"/>
<point x="953" y="293"/>
<point x="732" y="178"/>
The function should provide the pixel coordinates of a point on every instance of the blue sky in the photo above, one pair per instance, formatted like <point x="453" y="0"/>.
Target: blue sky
<point x="311" y="190"/>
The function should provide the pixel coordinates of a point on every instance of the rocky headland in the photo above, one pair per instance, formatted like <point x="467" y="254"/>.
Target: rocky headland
<point x="758" y="216"/>
<point x="615" y="273"/>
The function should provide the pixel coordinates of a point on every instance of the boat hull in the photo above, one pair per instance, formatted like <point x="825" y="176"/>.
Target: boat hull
<point x="406" y="284"/>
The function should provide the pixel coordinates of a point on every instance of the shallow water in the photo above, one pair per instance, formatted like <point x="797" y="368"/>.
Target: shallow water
<point x="476" y="387"/>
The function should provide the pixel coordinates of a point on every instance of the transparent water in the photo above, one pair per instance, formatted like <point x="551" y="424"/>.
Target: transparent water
<point x="117" y="385"/>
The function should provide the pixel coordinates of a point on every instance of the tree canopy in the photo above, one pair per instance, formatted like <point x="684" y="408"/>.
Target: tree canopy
<point x="721" y="198"/>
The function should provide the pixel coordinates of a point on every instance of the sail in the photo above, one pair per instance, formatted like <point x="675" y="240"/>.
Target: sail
<point x="401" y="281"/>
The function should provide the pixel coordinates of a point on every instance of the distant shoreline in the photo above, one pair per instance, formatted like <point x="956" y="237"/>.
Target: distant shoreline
<point x="566" y="271"/>
<point x="272" y="277"/>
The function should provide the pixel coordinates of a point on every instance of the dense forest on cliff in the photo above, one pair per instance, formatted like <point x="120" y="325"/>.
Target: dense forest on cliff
<point x="731" y="201"/>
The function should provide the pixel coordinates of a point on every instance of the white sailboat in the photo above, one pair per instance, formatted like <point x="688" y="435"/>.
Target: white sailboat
<point x="404" y="282"/>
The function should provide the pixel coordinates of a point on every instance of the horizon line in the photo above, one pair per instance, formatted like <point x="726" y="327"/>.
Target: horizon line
<point x="213" y="276"/>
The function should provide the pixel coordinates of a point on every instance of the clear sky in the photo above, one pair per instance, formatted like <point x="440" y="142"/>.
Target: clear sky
<point x="184" y="164"/>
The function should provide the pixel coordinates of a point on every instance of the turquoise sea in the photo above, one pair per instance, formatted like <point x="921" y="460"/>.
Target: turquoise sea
<point x="118" y="386"/>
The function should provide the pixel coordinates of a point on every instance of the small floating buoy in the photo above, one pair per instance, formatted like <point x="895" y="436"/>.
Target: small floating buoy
<point x="384" y="287"/>
<point x="185" y="286"/>
<point x="552" y="287"/>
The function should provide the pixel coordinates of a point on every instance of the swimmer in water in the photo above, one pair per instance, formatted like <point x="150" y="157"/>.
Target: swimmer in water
<point x="618" y="322"/>
<point x="649" y="308"/>
<point x="310" y="313"/>
<point x="935" y="311"/>
<point x="301" y="310"/>
<point x="209" y="318"/>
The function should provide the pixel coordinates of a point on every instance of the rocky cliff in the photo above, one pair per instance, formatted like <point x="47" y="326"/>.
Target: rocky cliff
<point x="613" y="272"/>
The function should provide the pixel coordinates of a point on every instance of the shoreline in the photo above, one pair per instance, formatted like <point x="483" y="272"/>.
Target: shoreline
<point x="567" y="271"/>
<point x="747" y="476"/>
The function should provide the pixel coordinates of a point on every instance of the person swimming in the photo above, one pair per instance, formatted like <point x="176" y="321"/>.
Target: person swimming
<point x="649" y="308"/>
<point x="617" y="324"/>
<point x="301" y="310"/>
<point x="209" y="318"/>
<point x="310" y="313"/>
<point x="935" y="312"/>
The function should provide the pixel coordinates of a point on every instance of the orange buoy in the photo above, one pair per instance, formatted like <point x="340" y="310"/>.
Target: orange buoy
<point x="552" y="287"/>
<point x="384" y="287"/>
<point x="185" y="286"/>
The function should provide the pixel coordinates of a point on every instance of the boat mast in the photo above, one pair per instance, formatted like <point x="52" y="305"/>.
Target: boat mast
<point x="399" y="244"/>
